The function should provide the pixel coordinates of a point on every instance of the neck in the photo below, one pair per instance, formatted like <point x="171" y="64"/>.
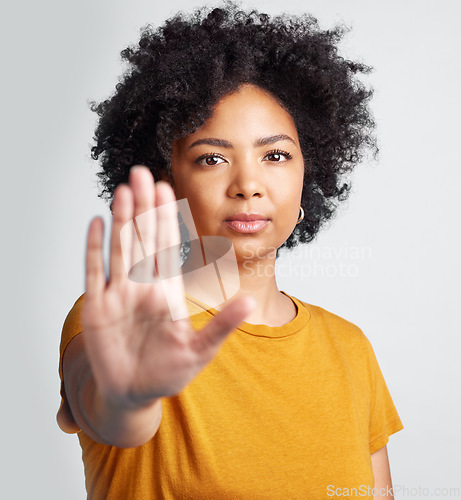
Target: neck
<point x="257" y="278"/>
<point x="254" y="277"/>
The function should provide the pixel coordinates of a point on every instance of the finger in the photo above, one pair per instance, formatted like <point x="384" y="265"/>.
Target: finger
<point x="168" y="251"/>
<point x="168" y="236"/>
<point x="122" y="234"/>
<point x="207" y="342"/>
<point x="142" y="185"/>
<point x="94" y="276"/>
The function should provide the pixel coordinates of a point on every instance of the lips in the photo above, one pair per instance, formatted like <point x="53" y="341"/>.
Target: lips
<point x="247" y="223"/>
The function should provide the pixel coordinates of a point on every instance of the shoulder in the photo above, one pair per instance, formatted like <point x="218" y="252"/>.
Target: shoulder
<point x="72" y="324"/>
<point x="72" y="321"/>
<point x="338" y="331"/>
<point x="333" y="323"/>
<point x="344" y="342"/>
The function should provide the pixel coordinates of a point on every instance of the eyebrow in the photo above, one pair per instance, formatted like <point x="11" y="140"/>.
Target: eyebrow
<point x="262" y="141"/>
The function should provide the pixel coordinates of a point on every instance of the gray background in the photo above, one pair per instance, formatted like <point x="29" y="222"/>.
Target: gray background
<point x="389" y="261"/>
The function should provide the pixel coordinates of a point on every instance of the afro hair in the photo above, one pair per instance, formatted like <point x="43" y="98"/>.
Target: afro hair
<point x="179" y="71"/>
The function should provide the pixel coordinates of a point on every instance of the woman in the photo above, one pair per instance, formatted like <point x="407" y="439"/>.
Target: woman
<point x="252" y="121"/>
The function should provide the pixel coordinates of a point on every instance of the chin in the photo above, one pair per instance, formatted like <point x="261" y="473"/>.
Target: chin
<point x="250" y="249"/>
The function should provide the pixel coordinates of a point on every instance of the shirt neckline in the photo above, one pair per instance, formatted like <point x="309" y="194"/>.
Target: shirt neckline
<point x="299" y="322"/>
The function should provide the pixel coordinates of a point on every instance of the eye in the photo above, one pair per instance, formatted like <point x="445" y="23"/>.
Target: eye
<point x="278" y="156"/>
<point x="209" y="160"/>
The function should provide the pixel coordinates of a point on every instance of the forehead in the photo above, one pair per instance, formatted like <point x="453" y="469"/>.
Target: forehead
<point x="244" y="116"/>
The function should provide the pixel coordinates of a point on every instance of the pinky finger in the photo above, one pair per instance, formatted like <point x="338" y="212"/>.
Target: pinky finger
<point x="95" y="278"/>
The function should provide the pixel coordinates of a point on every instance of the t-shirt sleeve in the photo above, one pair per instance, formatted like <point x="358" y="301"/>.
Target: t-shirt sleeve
<point x="72" y="327"/>
<point x="384" y="419"/>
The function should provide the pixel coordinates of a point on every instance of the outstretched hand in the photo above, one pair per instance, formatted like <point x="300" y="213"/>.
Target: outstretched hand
<point x="137" y="352"/>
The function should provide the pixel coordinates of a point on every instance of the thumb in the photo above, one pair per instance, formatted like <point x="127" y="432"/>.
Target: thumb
<point x="207" y="341"/>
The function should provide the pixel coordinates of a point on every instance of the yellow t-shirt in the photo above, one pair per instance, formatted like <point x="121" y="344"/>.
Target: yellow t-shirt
<point x="290" y="412"/>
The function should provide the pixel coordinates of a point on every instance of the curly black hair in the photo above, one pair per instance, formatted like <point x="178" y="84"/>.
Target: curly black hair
<point x="180" y="70"/>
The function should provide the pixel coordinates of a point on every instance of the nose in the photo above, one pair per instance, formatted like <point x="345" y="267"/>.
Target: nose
<point x="246" y="181"/>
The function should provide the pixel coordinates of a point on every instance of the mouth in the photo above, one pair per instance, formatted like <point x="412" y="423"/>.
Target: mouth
<point x="247" y="223"/>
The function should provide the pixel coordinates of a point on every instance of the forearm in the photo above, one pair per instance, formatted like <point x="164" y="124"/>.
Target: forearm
<point x="382" y="474"/>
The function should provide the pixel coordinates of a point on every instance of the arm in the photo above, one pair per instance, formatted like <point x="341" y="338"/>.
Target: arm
<point x="382" y="474"/>
<point x="131" y="352"/>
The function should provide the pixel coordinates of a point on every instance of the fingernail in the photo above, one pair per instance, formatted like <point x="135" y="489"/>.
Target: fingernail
<point x="136" y="167"/>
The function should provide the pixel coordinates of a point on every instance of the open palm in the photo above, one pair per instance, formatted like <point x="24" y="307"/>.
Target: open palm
<point x="136" y="350"/>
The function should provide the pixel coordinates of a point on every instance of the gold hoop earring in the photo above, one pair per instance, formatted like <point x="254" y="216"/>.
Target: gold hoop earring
<point x="301" y="215"/>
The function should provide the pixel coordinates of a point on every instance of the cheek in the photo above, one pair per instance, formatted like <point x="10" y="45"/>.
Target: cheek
<point x="204" y="192"/>
<point x="289" y="202"/>
<point x="289" y="190"/>
<point x="185" y="188"/>
<point x="202" y="204"/>
<point x="298" y="188"/>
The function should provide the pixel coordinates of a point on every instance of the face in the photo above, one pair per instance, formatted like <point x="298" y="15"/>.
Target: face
<point x="242" y="173"/>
